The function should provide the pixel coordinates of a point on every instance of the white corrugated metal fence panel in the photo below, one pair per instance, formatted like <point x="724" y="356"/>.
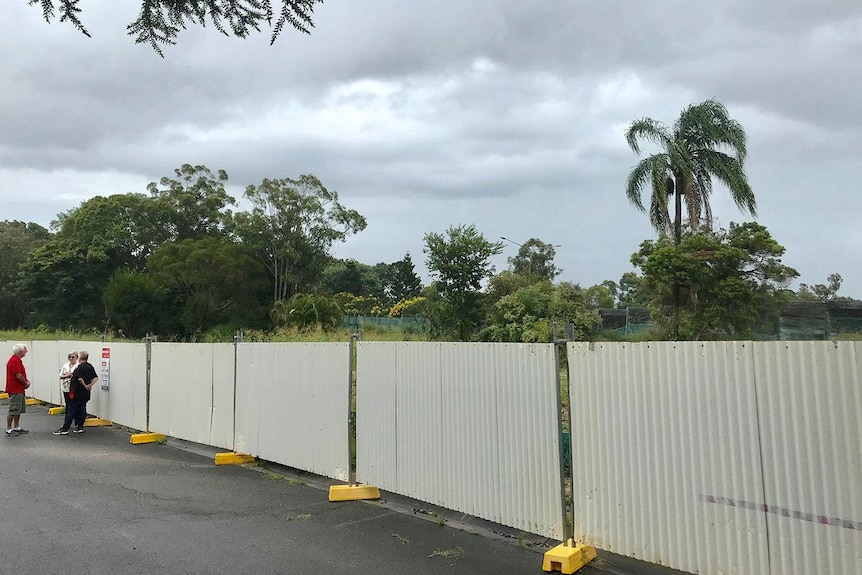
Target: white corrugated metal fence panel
<point x="663" y="435"/>
<point x="376" y="379"/>
<point x="43" y="362"/>
<point x="811" y="406"/>
<point x="125" y="400"/>
<point x="183" y="398"/>
<point x="292" y="402"/>
<point x="475" y="428"/>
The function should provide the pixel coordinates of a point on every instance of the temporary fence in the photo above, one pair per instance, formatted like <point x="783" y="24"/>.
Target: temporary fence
<point x="712" y="457"/>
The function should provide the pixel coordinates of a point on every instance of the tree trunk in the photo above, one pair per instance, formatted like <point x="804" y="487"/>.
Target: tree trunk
<point x="677" y="238"/>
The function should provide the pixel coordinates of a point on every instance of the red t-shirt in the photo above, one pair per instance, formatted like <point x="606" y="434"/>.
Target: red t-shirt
<point x="13" y="366"/>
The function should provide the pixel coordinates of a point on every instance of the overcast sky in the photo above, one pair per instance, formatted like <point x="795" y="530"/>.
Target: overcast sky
<point x="505" y="114"/>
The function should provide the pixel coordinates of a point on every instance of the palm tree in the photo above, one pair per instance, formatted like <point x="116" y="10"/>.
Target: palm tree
<point x="693" y="153"/>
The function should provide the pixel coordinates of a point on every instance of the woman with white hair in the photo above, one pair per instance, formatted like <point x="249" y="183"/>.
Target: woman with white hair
<point x="66" y="374"/>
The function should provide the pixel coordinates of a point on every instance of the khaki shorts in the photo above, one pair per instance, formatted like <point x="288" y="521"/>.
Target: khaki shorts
<point x="17" y="404"/>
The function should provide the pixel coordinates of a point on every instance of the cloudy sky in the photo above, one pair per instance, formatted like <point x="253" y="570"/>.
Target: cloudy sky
<point x="423" y="115"/>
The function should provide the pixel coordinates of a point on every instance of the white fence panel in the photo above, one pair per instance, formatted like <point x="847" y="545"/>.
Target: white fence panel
<point x="43" y="363"/>
<point x="664" y="437"/>
<point x="810" y="406"/>
<point x="475" y="428"/>
<point x="292" y="402"/>
<point x="125" y="400"/>
<point x="191" y="392"/>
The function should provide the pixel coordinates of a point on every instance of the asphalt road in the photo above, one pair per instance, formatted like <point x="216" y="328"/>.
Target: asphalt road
<point x="94" y="504"/>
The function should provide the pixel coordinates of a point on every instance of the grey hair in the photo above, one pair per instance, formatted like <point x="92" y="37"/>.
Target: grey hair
<point x="18" y="348"/>
<point x="73" y="352"/>
<point x="83" y="355"/>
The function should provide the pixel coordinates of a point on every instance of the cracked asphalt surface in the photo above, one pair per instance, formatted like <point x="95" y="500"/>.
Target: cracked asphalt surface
<point x="95" y="504"/>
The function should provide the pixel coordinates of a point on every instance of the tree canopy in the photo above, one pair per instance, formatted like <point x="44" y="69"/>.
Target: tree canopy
<point x="160" y="21"/>
<point x="729" y="281"/>
<point x="693" y="152"/>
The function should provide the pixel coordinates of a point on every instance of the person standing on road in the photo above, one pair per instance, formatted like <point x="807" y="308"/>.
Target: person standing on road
<point x="66" y="374"/>
<point x="82" y="380"/>
<point x="16" y="384"/>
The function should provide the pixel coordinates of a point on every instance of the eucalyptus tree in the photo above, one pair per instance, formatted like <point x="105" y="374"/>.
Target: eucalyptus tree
<point x="292" y="228"/>
<point x="535" y="258"/>
<point x="193" y="204"/>
<point x="159" y="22"/>
<point x="704" y="143"/>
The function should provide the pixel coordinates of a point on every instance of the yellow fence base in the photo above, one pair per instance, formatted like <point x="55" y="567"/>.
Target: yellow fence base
<point x="56" y="410"/>
<point x="33" y="401"/>
<point x="233" y="458"/>
<point x="4" y="395"/>
<point x="147" y="438"/>
<point x="353" y="492"/>
<point x="96" y="422"/>
<point x="568" y="557"/>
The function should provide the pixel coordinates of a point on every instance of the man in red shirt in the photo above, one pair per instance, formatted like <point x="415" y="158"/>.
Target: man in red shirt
<point x="16" y="383"/>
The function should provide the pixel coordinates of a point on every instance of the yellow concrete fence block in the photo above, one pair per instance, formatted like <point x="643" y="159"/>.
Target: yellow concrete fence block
<point x="138" y="438"/>
<point x="353" y="492"/>
<point x="96" y="422"/>
<point x="56" y="410"/>
<point x="233" y="458"/>
<point x="4" y="395"/>
<point x="33" y="401"/>
<point x="568" y="557"/>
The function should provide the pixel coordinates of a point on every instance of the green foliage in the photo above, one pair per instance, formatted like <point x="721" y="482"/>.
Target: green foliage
<point x="132" y="299"/>
<point x="399" y="280"/>
<point x="822" y="292"/>
<point x="459" y="262"/>
<point x="17" y="241"/>
<point x="206" y="283"/>
<point x="530" y="313"/>
<point x="292" y="227"/>
<point x="535" y="259"/>
<point x="692" y="155"/>
<point x="194" y="205"/>
<point x="350" y="276"/>
<point x="304" y="311"/>
<point x="159" y="22"/>
<point x="631" y="292"/>
<point x="729" y="281"/>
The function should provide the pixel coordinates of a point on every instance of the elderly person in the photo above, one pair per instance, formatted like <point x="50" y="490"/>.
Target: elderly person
<point x="16" y="384"/>
<point x="66" y="374"/>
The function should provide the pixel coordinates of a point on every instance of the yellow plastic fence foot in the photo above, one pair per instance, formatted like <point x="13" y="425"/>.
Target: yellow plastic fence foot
<point x="56" y="410"/>
<point x="147" y="438"/>
<point x="353" y="492"/>
<point x="4" y="395"/>
<point x="96" y="422"/>
<point x="233" y="458"/>
<point x="33" y="401"/>
<point x="568" y="557"/>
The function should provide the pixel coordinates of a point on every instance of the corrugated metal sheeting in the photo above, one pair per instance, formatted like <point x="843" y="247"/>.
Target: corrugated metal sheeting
<point x="191" y="392"/>
<point x="810" y="398"/>
<point x="470" y="427"/>
<point x="719" y="457"/>
<point x="292" y="405"/>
